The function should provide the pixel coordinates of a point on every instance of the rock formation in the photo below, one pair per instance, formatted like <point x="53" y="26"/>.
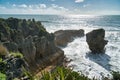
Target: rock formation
<point x="30" y="38"/>
<point x="95" y="40"/>
<point x="62" y="37"/>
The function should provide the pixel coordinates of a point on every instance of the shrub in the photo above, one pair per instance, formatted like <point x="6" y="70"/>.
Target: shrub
<point x="116" y="75"/>
<point x="17" y="54"/>
<point x="2" y="76"/>
<point x="2" y="65"/>
<point x="3" y="50"/>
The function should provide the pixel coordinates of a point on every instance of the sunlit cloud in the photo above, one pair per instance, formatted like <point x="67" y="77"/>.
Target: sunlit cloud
<point x="35" y="9"/>
<point x="23" y="6"/>
<point x="86" y="5"/>
<point x="29" y="6"/>
<point x="79" y="1"/>
<point x="42" y="6"/>
<point x="54" y="6"/>
<point x="2" y="7"/>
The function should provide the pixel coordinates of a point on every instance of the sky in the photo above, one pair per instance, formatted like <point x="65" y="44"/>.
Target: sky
<point x="79" y="7"/>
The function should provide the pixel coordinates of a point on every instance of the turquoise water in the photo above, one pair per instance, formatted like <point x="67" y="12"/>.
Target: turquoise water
<point x="91" y="65"/>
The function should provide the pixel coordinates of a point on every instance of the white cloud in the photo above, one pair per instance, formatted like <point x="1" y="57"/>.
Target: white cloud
<point x="42" y="5"/>
<point x="23" y="6"/>
<point x="37" y="6"/>
<point x="14" y="5"/>
<point x="86" y="5"/>
<point x="54" y="6"/>
<point x="79" y="1"/>
<point x="2" y="7"/>
<point x="35" y="9"/>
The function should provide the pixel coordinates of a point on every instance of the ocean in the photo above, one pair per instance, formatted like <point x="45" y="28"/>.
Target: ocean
<point x="97" y="65"/>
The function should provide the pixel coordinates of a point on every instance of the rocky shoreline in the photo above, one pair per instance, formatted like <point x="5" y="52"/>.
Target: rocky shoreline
<point x="39" y="48"/>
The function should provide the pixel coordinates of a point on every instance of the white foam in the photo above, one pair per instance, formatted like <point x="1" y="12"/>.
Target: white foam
<point x="92" y="65"/>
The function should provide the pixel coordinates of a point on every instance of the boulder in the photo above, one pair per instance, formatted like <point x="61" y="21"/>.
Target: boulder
<point x="62" y="37"/>
<point x="95" y="40"/>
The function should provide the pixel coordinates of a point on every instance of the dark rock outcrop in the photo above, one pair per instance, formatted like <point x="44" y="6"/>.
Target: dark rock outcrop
<point x="30" y="38"/>
<point x="95" y="40"/>
<point x="62" y="37"/>
<point x="11" y="46"/>
<point x="12" y="67"/>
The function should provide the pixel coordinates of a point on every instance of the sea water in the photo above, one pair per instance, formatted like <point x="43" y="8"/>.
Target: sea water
<point x="91" y="65"/>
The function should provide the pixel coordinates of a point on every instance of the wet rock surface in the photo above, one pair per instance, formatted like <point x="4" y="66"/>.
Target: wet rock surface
<point x="62" y="37"/>
<point x="95" y="40"/>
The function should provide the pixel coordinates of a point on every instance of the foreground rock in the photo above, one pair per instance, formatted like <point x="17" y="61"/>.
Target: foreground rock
<point x="95" y="40"/>
<point x="30" y="38"/>
<point x="62" y="37"/>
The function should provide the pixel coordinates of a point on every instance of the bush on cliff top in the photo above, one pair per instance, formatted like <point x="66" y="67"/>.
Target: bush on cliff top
<point x="3" y="50"/>
<point x="17" y="54"/>
<point x="9" y="28"/>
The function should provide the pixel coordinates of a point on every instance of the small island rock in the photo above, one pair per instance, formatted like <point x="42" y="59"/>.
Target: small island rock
<point x="95" y="40"/>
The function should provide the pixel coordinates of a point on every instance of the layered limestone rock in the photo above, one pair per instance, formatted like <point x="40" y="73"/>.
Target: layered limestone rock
<point x="95" y="40"/>
<point x="62" y="37"/>
<point x="31" y="39"/>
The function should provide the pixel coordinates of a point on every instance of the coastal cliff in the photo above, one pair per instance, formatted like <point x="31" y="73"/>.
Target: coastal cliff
<point x="31" y="39"/>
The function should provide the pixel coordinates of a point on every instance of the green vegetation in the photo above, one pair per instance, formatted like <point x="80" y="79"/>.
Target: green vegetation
<point x="28" y="74"/>
<point x="12" y="28"/>
<point x="2" y="66"/>
<point x="16" y="54"/>
<point x="2" y="76"/>
<point x="2" y="69"/>
<point x="62" y="73"/>
<point x="116" y="75"/>
<point x="3" y="50"/>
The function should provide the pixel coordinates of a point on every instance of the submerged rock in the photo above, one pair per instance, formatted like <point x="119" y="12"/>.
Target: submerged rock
<point x="62" y="37"/>
<point x="95" y="40"/>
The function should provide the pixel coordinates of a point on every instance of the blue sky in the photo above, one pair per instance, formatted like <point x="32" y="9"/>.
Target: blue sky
<point x="79" y="7"/>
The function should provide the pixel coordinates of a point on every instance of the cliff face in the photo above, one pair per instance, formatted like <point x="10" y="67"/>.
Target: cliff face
<point x="31" y="39"/>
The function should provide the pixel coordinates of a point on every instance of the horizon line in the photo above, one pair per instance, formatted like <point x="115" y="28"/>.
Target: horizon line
<point x="59" y="14"/>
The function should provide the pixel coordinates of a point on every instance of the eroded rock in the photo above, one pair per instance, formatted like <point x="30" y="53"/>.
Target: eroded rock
<point x="29" y="50"/>
<point x="95" y="40"/>
<point x="62" y="37"/>
<point x="30" y="38"/>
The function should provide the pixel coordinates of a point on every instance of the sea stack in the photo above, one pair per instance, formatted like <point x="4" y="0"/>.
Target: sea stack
<point x="95" y="40"/>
